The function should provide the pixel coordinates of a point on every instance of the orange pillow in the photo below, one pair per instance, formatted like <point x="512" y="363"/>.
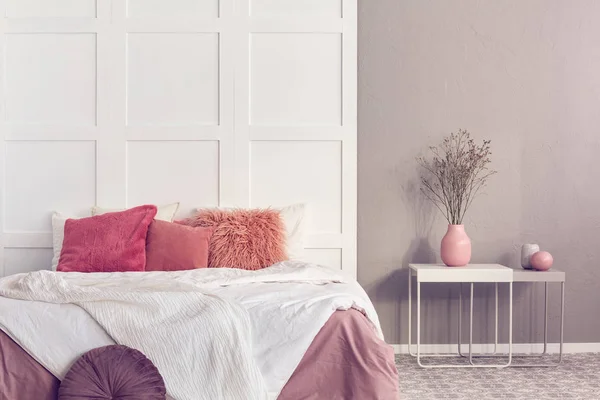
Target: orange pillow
<point x="175" y="247"/>
<point x="243" y="238"/>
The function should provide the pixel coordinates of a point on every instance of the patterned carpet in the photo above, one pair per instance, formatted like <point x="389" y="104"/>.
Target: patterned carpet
<point x="578" y="377"/>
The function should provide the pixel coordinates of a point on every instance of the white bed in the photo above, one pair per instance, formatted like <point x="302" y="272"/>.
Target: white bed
<point x="246" y="103"/>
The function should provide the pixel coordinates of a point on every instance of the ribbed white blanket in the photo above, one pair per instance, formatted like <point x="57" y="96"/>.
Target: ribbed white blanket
<point x="199" y="342"/>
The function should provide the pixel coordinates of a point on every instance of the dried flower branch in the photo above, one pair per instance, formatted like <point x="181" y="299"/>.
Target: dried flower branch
<point x="455" y="174"/>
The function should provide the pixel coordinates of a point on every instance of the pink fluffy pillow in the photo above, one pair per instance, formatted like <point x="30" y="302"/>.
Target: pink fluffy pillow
<point x="244" y="238"/>
<point x="176" y="247"/>
<point x="112" y="242"/>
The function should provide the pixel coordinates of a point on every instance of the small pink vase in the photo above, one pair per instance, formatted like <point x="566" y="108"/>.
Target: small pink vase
<point x="456" y="247"/>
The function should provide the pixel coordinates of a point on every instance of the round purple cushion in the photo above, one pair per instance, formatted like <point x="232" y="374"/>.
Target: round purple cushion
<point x="113" y="372"/>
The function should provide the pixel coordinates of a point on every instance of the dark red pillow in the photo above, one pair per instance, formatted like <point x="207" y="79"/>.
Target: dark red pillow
<point x="113" y="372"/>
<point x="112" y="242"/>
<point x="176" y="247"/>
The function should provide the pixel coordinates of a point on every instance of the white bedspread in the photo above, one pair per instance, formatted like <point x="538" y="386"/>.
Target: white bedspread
<point x="261" y="321"/>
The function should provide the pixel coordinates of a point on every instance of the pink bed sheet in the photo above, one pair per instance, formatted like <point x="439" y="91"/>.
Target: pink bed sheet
<point x="345" y="361"/>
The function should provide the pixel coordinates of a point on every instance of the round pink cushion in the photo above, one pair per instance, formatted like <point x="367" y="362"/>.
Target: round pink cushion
<point x="112" y="372"/>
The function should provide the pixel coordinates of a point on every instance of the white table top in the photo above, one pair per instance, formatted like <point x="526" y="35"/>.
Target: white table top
<point x="529" y="275"/>
<point x="469" y="273"/>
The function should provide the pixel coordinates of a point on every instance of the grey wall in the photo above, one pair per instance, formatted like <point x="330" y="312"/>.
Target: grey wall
<point x="525" y="74"/>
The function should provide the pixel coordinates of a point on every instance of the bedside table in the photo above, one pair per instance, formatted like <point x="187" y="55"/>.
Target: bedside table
<point x="472" y="273"/>
<point x="546" y="277"/>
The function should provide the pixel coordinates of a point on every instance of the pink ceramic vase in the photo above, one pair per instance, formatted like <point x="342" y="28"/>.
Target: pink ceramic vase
<point x="456" y="247"/>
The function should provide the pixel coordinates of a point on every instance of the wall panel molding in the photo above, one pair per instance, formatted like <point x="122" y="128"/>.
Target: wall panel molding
<point x="205" y="102"/>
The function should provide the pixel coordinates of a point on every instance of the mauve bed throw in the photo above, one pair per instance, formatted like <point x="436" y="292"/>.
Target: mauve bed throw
<point x="21" y="377"/>
<point x="345" y="361"/>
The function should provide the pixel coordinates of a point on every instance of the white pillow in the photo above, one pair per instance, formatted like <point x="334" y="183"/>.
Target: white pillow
<point x="164" y="213"/>
<point x="294" y="218"/>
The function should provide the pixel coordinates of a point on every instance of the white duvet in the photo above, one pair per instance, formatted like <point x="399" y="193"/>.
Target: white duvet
<point x="256" y="325"/>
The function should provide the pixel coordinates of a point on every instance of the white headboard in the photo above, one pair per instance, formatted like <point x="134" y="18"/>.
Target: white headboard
<point x="119" y="103"/>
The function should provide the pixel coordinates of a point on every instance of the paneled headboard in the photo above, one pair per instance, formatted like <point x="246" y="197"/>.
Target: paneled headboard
<point x="207" y="102"/>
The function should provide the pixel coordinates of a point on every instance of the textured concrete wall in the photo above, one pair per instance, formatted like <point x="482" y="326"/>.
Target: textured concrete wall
<point x="525" y="74"/>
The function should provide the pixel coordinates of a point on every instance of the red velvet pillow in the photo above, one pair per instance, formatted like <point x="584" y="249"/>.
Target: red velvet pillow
<point x="112" y="242"/>
<point x="243" y="238"/>
<point x="176" y="247"/>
